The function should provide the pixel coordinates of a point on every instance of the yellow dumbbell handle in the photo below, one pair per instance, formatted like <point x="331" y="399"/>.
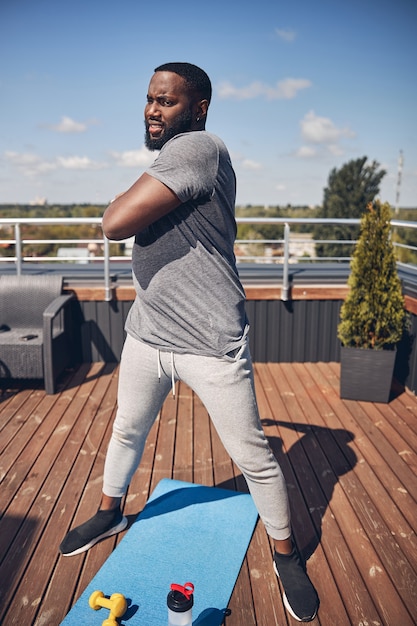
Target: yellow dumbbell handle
<point x="110" y="622"/>
<point x="116" y="604"/>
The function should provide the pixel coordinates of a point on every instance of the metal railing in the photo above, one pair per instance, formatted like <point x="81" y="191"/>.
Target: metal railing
<point x="15" y="224"/>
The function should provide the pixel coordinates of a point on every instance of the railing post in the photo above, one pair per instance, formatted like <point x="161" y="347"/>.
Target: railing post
<point x="107" y="281"/>
<point x="18" y="248"/>
<point x="285" y="284"/>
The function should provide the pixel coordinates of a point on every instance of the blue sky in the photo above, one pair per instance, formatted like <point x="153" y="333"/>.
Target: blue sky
<point x="300" y="87"/>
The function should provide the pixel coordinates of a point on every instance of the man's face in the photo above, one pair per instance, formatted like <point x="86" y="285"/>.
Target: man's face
<point x="169" y="110"/>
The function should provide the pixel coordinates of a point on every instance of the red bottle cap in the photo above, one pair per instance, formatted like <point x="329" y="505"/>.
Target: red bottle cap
<point x="187" y="590"/>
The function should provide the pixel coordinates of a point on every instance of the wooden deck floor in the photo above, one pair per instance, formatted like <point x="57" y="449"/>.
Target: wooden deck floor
<point x="351" y="472"/>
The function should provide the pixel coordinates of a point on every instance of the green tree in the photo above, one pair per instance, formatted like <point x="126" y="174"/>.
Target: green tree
<point x="373" y="314"/>
<point x="349" y="191"/>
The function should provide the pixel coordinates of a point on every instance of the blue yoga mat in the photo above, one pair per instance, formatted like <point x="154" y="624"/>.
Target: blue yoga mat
<point x="185" y="533"/>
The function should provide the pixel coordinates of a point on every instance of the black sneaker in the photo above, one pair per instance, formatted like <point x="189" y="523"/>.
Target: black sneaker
<point x="102" y="525"/>
<point x="300" y="597"/>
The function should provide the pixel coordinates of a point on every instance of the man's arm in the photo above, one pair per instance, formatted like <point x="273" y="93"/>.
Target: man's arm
<point x="145" y="202"/>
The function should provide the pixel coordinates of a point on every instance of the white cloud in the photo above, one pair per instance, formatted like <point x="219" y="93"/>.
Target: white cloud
<point x="79" y="163"/>
<point x="244" y="163"/>
<point x="21" y="160"/>
<point x="335" y="150"/>
<point x="315" y="129"/>
<point x="286" y="34"/>
<point x="32" y="164"/>
<point x="134" y="158"/>
<point x="68" y="125"/>
<point x="42" y="167"/>
<point x="280" y="187"/>
<point x="306" y="152"/>
<point x="284" y="90"/>
<point x="247" y="164"/>
<point x="323" y="133"/>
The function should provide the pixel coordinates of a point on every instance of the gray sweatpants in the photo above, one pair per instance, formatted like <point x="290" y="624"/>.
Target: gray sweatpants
<point x="225" y="386"/>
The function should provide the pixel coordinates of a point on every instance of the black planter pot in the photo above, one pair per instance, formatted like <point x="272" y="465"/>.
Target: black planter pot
<point x="366" y="374"/>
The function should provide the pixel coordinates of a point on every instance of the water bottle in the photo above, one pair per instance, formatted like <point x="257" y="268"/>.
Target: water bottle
<point x="180" y="602"/>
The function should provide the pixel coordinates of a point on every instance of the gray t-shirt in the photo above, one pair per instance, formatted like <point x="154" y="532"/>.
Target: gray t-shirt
<point x="189" y="296"/>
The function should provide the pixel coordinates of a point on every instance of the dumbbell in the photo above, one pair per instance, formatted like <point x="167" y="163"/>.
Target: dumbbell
<point x="116" y="603"/>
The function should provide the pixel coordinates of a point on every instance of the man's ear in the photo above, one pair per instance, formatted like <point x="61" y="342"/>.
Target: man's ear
<point x="202" y="108"/>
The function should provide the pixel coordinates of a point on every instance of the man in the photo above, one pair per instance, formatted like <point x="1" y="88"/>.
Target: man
<point x="188" y="321"/>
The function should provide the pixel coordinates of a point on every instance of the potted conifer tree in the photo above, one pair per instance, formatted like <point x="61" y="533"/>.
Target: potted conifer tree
<point x="372" y="318"/>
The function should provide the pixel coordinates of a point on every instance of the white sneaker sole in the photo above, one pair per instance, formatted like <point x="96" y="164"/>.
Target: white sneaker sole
<point x="113" y="531"/>
<point x="288" y="605"/>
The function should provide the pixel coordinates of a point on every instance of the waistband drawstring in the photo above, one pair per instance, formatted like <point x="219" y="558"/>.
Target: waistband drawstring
<point x="158" y="358"/>
<point x="172" y="375"/>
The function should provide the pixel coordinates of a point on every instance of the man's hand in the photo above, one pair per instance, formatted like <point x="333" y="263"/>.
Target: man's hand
<point x="118" y="196"/>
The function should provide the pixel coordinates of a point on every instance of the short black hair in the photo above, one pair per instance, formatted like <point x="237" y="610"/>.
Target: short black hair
<point x="194" y="76"/>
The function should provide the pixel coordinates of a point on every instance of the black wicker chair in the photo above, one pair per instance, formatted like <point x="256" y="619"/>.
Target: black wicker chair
<point x="34" y="342"/>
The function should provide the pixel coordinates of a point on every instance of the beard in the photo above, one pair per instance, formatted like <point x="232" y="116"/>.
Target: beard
<point x="181" y="124"/>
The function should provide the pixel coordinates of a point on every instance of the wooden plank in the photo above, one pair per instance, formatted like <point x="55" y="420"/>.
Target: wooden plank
<point x="222" y="463"/>
<point x="72" y="570"/>
<point x="203" y="455"/>
<point x="362" y="467"/>
<point x="266" y="597"/>
<point x="140" y="487"/>
<point x="399" y="428"/>
<point x="353" y="413"/>
<point x="274" y="419"/>
<point x="404" y="413"/>
<point x="358" y="604"/>
<point x="369" y="553"/>
<point x="410" y="304"/>
<point x="29" y="426"/>
<point x="241" y="610"/>
<point x="266" y="591"/>
<point x="90" y="472"/>
<point x="379" y="533"/>
<point x="183" y="455"/>
<point x="23" y="606"/>
<point x="7" y="396"/>
<point x="126" y="293"/>
<point x="88" y="293"/>
<point x="408" y="401"/>
<point x="353" y="505"/>
<point x="23" y="482"/>
<point x="14" y="418"/>
<point x="311" y="504"/>
<point x="165" y="444"/>
<point x="362" y="412"/>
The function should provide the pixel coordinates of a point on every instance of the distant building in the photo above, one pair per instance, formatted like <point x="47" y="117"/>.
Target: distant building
<point x="77" y="255"/>
<point x="38" y="202"/>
